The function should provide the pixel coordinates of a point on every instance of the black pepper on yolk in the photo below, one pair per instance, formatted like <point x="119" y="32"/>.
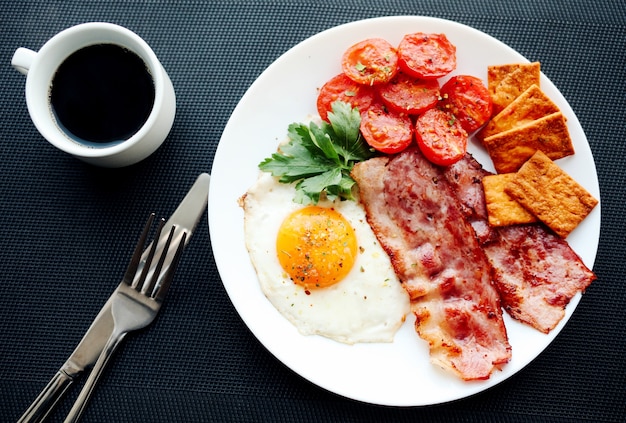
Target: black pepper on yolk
<point x="316" y="246"/>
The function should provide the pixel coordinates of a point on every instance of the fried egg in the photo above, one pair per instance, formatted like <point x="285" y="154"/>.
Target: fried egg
<point x="321" y="266"/>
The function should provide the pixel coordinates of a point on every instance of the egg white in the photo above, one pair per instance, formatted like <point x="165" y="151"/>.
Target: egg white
<point x="368" y="305"/>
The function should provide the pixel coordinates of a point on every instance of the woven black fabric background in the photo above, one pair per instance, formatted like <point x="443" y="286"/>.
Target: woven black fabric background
<point x="67" y="228"/>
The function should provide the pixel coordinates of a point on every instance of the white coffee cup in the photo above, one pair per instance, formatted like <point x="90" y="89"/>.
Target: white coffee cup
<point x="40" y="68"/>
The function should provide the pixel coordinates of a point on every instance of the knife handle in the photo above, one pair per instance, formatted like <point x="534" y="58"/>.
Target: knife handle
<point x="85" y="394"/>
<point x="47" y="399"/>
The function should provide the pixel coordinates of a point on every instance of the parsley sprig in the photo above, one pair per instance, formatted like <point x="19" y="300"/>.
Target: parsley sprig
<point x="320" y="157"/>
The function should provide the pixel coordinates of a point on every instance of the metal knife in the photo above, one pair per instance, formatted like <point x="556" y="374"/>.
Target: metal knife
<point x="185" y="218"/>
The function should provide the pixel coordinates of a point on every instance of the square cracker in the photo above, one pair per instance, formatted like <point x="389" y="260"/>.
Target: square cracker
<point x="531" y="105"/>
<point x="506" y="82"/>
<point x="552" y="195"/>
<point x="502" y="210"/>
<point x="510" y="149"/>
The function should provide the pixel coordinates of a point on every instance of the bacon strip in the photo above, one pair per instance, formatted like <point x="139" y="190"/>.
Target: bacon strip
<point x="418" y="221"/>
<point x="535" y="271"/>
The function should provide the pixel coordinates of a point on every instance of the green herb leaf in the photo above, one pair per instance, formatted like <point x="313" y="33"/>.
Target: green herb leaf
<point x="345" y="122"/>
<point x="319" y="157"/>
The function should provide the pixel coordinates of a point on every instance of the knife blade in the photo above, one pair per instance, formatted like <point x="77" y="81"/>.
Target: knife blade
<point x="185" y="218"/>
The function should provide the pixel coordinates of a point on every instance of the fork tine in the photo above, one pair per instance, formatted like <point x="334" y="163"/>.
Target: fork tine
<point x="169" y="274"/>
<point x="131" y="270"/>
<point x="148" y="287"/>
<point x="138" y="284"/>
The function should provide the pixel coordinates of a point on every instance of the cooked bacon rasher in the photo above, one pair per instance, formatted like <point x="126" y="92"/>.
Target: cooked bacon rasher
<point x="415" y="214"/>
<point x="536" y="272"/>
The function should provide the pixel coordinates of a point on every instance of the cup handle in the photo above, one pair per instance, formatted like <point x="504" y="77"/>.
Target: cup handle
<point x="23" y="59"/>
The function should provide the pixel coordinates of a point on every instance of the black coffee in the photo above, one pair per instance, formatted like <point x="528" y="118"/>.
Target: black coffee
<point x="102" y="94"/>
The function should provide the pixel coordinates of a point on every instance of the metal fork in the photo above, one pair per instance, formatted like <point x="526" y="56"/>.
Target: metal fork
<point x="137" y="301"/>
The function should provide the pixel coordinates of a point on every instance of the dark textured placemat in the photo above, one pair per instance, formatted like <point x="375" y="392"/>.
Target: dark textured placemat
<point x="68" y="228"/>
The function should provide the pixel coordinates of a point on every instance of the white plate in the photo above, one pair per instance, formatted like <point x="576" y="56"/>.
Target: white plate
<point x="398" y="373"/>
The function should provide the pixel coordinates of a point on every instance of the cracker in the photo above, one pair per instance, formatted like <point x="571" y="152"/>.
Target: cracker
<point x="547" y="191"/>
<point x="510" y="149"/>
<point x="502" y="209"/>
<point x="531" y="105"/>
<point x="507" y="82"/>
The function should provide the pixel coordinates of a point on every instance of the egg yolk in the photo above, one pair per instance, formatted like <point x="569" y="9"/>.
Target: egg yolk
<point x="316" y="246"/>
